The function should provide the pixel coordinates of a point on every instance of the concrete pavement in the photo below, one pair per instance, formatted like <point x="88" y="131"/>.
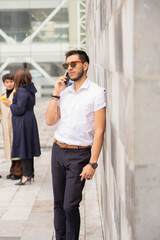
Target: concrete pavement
<point x="26" y="212"/>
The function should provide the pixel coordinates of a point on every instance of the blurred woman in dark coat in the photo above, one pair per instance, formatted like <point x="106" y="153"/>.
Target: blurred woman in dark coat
<point x="25" y="131"/>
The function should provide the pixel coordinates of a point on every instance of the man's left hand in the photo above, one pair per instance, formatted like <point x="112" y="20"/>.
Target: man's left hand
<point x="87" y="172"/>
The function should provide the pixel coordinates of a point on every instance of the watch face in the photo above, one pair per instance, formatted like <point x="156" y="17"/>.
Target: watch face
<point x="94" y="165"/>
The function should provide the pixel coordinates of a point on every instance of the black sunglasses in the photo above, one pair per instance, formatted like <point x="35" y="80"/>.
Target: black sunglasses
<point x="72" y="64"/>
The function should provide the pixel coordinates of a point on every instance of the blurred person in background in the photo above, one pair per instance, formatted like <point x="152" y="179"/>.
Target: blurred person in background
<point x="6" y="122"/>
<point x="26" y="143"/>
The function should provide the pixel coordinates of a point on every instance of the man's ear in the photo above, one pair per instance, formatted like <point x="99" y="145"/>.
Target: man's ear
<point x="85" y="66"/>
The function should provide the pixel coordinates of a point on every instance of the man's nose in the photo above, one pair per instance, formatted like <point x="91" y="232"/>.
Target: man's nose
<point x="69" y="67"/>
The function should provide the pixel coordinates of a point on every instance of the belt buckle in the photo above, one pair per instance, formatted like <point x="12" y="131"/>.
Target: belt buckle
<point x="66" y="145"/>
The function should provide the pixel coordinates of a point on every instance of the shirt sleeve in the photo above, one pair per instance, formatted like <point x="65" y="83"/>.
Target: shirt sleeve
<point x="100" y="99"/>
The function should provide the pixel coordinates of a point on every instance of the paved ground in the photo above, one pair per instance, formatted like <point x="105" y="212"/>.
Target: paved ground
<point x="26" y="212"/>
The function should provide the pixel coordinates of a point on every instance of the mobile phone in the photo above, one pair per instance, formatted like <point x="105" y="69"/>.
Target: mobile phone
<point x="67" y="79"/>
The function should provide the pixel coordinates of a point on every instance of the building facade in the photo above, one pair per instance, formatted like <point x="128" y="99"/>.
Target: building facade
<point x="123" y="45"/>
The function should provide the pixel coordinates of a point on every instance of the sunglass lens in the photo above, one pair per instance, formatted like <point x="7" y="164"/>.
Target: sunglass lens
<point x="73" y="64"/>
<point x="65" y="66"/>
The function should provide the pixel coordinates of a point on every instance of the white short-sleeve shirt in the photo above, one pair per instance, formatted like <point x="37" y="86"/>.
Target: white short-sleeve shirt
<point x="76" y="125"/>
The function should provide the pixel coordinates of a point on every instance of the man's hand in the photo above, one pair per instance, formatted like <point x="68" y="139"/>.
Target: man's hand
<point x="60" y="84"/>
<point x="87" y="172"/>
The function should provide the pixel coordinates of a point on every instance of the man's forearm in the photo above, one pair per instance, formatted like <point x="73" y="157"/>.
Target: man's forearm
<point x="100" y="123"/>
<point x="88" y="171"/>
<point x="97" y="145"/>
<point x="52" y="115"/>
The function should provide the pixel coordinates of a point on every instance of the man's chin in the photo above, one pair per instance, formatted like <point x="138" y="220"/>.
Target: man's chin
<point x="79" y="76"/>
<point x="74" y="79"/>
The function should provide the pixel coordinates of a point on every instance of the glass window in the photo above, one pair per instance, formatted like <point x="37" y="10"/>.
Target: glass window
<point x="36" y="34"/>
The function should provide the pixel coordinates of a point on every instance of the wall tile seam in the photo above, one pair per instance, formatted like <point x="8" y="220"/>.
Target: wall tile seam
<point x="100" y="208"/>
<point x="111" y="223"/>
<point x="133" y="47"/>
<point x="110" y="199"/>
<point x="122" y="200"/>
<point x="115" y="129"/>
<point x="118" y="190"/>
<point x="119" y="74"/>
<point x="114" y="228"/>
<point x="102" y="214"/>
<point x="146" y="79"/>
<point x="112" y="215"/>
<point x="120" y="9"/>
<point x="148" y="187"/>
<point x="124" y="1"/>
<point x="93" y="42"/>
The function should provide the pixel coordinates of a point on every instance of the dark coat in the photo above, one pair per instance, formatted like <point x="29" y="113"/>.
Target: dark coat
<point x="25" y="131"/>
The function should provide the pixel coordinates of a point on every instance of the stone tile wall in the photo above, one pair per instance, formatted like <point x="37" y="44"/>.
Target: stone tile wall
<point x="123" y="45"/>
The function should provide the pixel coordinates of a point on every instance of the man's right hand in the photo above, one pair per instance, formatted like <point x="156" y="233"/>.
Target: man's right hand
<point x="60" y="85"/>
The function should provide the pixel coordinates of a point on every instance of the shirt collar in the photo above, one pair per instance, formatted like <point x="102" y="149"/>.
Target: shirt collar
<point x="84" y="86"/>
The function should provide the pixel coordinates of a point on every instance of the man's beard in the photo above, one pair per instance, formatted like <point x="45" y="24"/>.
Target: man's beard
<point x="80" y="74"/>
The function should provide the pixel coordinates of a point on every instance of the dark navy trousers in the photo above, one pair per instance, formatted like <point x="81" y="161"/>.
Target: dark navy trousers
<point x="67" y="164"/>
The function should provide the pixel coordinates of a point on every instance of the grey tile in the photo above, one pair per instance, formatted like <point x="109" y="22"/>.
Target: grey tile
<point x="43" y="206"/>
<point x="11" y="228"/>
<point x="9" y="238"/>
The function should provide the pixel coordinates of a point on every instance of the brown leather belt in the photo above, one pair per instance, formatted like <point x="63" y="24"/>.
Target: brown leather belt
<point x="63" y="145"/>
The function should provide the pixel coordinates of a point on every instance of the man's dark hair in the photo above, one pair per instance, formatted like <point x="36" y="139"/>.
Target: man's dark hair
<point x="9" y="76"/>
<point x="82" y="55"/>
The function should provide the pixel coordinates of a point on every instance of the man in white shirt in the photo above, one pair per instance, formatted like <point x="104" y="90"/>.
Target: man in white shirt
<point x="80" y="110"/>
